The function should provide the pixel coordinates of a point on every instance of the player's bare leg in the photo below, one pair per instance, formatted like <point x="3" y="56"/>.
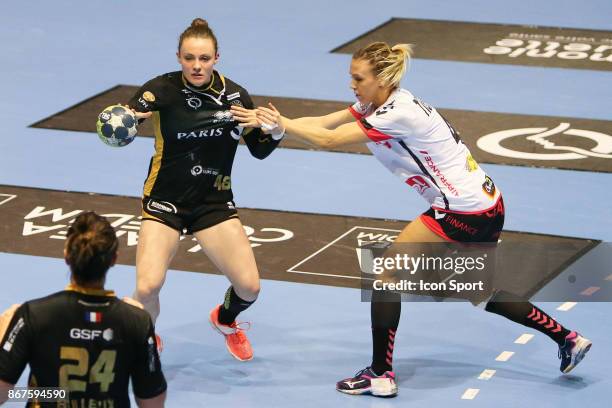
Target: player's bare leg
<point x="237" y="262"/>
<point x="157" y="245"/>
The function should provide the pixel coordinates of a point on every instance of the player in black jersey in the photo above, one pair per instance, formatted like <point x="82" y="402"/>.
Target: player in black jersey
<point x="84" y="339"/>
<point x="188" y="187"/>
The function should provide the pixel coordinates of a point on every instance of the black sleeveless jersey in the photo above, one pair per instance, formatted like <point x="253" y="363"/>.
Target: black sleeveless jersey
<point x="86" y="341"/>
<point x="196" y="138"/>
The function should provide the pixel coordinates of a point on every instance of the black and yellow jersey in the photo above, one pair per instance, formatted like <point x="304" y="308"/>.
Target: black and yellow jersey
<point x="196" y="137"/>
<point x="86" y="341"/>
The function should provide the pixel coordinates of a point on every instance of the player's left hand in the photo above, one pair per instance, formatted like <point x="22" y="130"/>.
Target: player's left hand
<point x="245" y="117"/>
<point x="270" y="119"/>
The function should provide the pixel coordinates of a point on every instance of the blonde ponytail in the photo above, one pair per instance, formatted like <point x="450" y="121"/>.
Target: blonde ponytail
<point x="388" y="63"/>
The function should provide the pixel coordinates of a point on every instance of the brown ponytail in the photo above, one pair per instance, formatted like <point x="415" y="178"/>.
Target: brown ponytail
<point x="91" y="247"/>
<point x="198" y="28"/>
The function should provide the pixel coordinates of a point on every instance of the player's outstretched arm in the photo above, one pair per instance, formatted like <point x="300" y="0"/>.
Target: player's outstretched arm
<point x="248" y="118"/>
<point x="348" y="133"/>
<point x="330" y="121"/>
<point x="259" y="138"/>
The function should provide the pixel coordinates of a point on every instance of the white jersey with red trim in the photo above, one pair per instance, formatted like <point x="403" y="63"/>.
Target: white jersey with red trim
<point x="417" y="144"/>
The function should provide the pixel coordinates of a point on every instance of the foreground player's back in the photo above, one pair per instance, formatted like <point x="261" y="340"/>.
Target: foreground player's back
<point x="88" y="342"/>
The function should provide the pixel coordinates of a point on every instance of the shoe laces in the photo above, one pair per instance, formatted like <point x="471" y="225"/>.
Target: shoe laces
<point x="361" y="372"/>
<point x="240" y="327"/>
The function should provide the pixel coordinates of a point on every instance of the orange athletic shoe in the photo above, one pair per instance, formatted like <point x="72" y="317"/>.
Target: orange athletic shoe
<point x="236" y="341"/>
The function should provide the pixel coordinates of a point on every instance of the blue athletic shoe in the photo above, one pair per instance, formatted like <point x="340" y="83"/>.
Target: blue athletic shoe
<point x="573" y="351"/>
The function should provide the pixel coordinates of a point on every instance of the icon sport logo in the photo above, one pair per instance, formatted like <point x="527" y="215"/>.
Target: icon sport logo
<point x="491" y="143"/>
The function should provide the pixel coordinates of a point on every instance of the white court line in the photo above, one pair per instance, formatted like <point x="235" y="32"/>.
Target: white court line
<point x="523" y="339"/>
<point x="470" y="393"/>
<point x="504" y="356"/>
<point x="590" y="291"/>
<point x="9" y="198"/>
<point x="292" y="269"/>
<point x="486" y="375"/>
<point x="567" y="306"/>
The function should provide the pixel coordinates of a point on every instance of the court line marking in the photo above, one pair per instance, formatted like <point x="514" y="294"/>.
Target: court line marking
<point x="504" y="356"/>
<point x="6" y="200"/>
<point x="487" y="374"/>
<point x="567" y="306"/>
<point x="293" y="270"/>
<point x="470" y="393"/>
<point x="590" y="291"/>
<point x="523" y="339"/>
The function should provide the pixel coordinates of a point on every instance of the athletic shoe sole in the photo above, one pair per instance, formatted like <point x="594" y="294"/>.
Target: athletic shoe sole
<point x="381" y="387"/>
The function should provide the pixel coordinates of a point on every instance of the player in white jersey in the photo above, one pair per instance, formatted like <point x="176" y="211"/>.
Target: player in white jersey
<point x="417" y="144"/>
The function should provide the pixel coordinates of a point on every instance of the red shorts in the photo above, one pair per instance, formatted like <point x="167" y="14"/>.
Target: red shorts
<point x="485" y="226"/>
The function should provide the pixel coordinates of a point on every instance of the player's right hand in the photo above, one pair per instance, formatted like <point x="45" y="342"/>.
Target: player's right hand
<point x="139" y="115"/>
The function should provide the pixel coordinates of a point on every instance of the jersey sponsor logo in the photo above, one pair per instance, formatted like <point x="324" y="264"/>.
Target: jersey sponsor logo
<point x="438" y="173"/>
<point x="89" y="334"/>
<point x="470" y="164"/>
<point x="108" y="334"/>
<point x="439" y="215"/>
<point x="202" y="133"/>
<point x="223" y="117"/>
<point x="161" y="206"/>
<point x="453" y="221"/>
<point x="8" y="344"/>
<point x="143" y="103"/>
<point x="198" y="170"/>
<point x="546" y="46"/>
<point x="492" y="143"/>
<point x="418" y="183"/>
<point x="233" y="96"/>
<point x="148" y="96"/>
<point x="386" y="108"/>
<point x="194" y="102"/>
<point x="488" y="187"/>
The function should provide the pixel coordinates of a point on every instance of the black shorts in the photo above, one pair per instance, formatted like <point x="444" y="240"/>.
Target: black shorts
<point x="187" y="219"/>
<point x="485" y="226"/>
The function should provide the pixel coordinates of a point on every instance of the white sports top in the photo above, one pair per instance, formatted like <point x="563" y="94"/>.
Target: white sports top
<point x="413" y="141"/>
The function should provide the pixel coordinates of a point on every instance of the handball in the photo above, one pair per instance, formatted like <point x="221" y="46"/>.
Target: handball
<point x="116" y="126"/>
